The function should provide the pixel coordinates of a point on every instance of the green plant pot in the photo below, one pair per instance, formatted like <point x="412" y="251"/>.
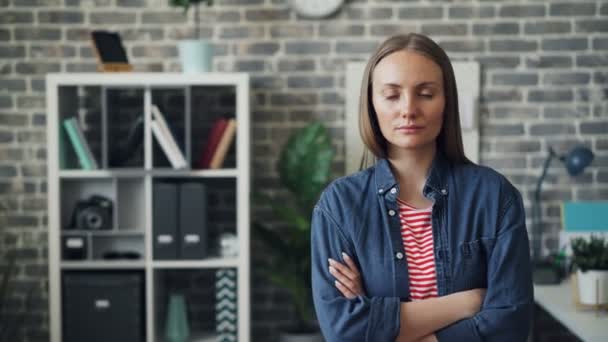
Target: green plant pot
<point x="195" y="56"/>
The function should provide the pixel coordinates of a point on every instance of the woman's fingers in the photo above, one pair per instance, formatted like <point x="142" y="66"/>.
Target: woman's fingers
<point x="348" y="277"/>
<point x="352" y="274"/>
<point x="343" y="279"/>
<point x="351" y="264"/>
<point x="346" y="292"/>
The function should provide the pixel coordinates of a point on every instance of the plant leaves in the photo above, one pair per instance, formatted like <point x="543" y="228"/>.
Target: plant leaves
<point x="304" y="165"/>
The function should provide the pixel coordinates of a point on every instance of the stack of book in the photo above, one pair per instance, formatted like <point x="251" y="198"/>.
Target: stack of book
<point x="220" y="138"/>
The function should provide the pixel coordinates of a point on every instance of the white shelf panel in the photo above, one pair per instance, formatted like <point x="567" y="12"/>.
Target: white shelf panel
<point x="113" y="232"/>
<point x="147" y="79"/>
<point x="217" y="173"/>
<point x="206" y="263"/>
<point x="102" y="264"/>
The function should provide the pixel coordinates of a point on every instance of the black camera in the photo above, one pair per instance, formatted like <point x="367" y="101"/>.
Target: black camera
<point x="94" y="213"/>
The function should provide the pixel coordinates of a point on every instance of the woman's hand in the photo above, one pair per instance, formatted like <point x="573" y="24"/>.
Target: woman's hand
<point x="348" y="278"/>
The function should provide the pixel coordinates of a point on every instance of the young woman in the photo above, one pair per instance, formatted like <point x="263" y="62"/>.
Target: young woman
<point x="424" y="245"/>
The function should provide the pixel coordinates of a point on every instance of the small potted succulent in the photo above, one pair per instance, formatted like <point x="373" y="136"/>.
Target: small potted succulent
<point x="195" y="54"/>
<point x="590" y="257"/>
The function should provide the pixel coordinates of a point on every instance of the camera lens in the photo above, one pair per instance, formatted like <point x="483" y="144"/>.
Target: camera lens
<point x="93" y="220"/>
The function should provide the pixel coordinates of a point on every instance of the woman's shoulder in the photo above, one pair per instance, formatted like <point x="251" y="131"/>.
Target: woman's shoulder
<point x="349" y="186"/>
<point x="475" y="175"/>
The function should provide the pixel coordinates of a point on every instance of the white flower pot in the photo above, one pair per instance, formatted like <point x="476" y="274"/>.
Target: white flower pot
<point x="592" y="287"/>
<point x="195" y="55"/>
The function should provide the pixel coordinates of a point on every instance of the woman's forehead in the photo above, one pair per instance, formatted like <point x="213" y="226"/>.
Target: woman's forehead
<point x="407" y="68"/>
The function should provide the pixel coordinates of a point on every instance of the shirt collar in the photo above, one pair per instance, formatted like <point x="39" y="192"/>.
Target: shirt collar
<point x="435" y="182"/>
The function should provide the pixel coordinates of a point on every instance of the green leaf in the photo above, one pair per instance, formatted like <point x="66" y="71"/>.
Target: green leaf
<point x="305" y="163"/>
<point x="271" y="238"/>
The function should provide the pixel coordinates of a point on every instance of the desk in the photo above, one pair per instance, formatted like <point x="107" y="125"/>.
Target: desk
<point x="588" y="325"/>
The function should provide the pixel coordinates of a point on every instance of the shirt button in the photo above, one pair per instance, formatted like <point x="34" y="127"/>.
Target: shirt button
<point x="391" y="212"/>
<point x="399" y="255"/>
<point x="444" y="192"/>
<point x="393" y="191"/>
<point x="380" y="191"/>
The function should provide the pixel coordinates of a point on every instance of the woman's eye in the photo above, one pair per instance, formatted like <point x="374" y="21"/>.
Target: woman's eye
<point x="429" y="96"/>
<point x="392" y="97"/>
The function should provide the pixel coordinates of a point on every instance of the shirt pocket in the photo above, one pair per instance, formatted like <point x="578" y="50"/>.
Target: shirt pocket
<point x="474" y="259"/>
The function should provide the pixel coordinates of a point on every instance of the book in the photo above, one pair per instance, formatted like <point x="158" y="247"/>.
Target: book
<point x="222" y="148"/>
<point x="163" y="141"/>
<point x="80" y="145"/>
<point x="214" y="137"/>
<point x="173" y="148"/>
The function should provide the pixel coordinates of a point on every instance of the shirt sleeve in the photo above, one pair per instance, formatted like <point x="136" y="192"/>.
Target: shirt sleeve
<point x="341" y="319"/>
<point x="507" y="308"/>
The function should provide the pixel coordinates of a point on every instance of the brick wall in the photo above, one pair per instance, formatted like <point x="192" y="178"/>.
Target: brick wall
<point x="543" y="84"/>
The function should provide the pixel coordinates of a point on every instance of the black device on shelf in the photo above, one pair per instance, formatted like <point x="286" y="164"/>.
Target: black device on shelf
<point x="74" y="247"/>
<point x="103" y="306"/>
<point x="94" y="213"/>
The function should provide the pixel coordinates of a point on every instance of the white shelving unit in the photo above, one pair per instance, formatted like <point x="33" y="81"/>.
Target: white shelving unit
<point x="131" y="187"/>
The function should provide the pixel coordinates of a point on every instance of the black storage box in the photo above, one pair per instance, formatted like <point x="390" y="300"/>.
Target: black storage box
<point x="103" y="306"/>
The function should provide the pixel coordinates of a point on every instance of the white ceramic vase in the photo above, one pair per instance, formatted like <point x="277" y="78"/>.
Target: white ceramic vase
<point x="195" y="56"/>
<point x="592" y="287"/>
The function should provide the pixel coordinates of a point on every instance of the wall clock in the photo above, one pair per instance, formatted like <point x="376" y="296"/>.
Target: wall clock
<point x="315" y="9"/>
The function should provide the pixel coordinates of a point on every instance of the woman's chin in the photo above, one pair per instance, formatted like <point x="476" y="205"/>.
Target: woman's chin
<point x="413" y="145"/>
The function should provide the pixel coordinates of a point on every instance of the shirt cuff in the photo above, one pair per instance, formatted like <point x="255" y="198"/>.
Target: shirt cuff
<point x="464" y="330"/>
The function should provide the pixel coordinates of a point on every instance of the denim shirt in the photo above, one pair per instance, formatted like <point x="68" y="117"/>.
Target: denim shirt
<point x="480" y="241"/>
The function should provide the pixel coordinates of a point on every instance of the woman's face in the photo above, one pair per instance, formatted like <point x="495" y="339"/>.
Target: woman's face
<point x="408" y="97"/>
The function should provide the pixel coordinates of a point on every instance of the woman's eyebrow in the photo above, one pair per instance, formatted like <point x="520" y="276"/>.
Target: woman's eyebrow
<point x="419" y="85"/>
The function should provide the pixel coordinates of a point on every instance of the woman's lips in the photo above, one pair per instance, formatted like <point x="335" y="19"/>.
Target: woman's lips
<point x="410" y="129"/>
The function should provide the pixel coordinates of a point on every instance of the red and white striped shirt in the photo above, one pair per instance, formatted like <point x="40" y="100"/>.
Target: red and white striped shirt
<point x="417" y="236"/>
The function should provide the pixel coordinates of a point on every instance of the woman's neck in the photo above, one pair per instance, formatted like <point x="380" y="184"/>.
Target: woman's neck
<point x="410" y="168"/>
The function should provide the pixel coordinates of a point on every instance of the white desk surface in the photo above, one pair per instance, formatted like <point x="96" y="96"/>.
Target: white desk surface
<point x="557" y="300"/>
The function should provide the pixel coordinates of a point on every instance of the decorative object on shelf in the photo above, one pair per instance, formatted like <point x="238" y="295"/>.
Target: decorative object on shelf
<point x="195" y="55"/>
<point x="176" y="327"/>
<point x="304" y="169"/>
<point x="229" y="245"/>
<point x="316" y="9"/>
<point x="93" y="213"/>
<point x="74" y="247"/>
<point x="226" y="305"/>
<point x="575" y="161"/>
<point x="111" y="54"/>
<point x="590" y="257"/>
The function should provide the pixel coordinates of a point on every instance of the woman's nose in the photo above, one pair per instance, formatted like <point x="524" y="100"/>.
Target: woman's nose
<point x="407" y="106"/>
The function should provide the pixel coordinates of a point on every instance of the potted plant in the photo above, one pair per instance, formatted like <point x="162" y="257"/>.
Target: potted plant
<point x="591" y="260"/>
<point x="304" y="169"/>
<point x="196" y="54"/>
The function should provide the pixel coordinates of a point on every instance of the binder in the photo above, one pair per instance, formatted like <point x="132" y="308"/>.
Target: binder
<point x="164" y="224"/>
<point x="193" y="220"/>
